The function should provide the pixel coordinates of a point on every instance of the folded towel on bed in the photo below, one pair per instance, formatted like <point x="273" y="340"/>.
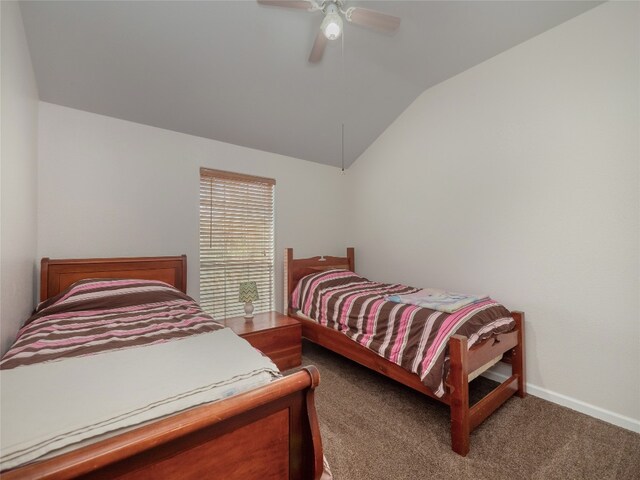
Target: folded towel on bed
<point x="435" y="299"/>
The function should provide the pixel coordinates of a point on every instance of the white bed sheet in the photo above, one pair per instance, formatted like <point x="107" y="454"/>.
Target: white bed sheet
<point x="48" y="406"/>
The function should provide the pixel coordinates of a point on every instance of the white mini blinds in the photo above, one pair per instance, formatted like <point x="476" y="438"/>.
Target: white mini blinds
<point x="236" y="241"/>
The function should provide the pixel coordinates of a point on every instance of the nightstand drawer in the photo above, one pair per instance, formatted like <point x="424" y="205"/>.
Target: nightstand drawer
<point x="275" y="339"/>
<point x="274" y="334"/>
<point x="282" y="345"/>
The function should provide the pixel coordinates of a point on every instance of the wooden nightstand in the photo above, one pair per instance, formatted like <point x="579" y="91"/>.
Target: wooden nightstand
<point x="276" y="335"/>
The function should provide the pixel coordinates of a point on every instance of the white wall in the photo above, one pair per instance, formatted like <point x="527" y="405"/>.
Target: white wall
<point x="519" y="177"/>
<point x="109" y="187"/>
<point x="18" y="198"/>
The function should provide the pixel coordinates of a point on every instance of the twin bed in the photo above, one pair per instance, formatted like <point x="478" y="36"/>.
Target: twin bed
<point x="434" y="353"/>
<point x="267" y="427"/>
<point x="56" y="423"/>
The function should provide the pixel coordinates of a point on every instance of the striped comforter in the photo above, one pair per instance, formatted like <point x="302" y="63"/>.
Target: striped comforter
<point x="94" y="316"/>
<point x="413" y="337"/>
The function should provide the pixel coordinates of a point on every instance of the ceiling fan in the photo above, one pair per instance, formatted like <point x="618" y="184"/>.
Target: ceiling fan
<point x="331" y="27"/>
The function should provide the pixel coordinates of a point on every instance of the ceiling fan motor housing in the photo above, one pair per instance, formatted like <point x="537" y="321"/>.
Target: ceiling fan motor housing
<point x="332" y="23"/>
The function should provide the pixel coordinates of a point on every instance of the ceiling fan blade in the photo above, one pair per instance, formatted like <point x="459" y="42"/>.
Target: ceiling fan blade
<point x="317" y="51"/>
<point x="301" y="4"/>
<point x="372" y="19"/>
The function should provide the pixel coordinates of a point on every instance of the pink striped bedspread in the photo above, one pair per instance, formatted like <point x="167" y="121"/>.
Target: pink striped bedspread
<point x="413" y="337"/>
<point x="95" y="316"/>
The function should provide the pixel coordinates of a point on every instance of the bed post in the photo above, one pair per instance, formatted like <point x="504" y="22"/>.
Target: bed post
<point x="183" y="286"/>
<point x="459" y="395"/>
<point x="288" y="278"/>
<point x="517" y="357"/>
<point x="351" y="258"/>
<point x="44" y="276"/>
<point x="314" y="445"/>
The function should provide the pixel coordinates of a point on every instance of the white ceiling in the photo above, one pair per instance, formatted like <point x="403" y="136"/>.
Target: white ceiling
<point x="237" y="72"/>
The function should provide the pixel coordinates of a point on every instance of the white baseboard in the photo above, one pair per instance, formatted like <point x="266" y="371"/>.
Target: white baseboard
<point x="577" y="405"/>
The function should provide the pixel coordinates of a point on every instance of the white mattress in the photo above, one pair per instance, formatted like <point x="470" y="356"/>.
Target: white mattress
<point x="48" y="406"/>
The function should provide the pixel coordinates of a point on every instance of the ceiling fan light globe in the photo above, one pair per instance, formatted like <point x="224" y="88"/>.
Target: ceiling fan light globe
<point x="332" y="26"/>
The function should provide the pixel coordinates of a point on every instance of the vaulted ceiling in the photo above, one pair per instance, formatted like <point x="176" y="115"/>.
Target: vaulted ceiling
<point x="237" y="72"/>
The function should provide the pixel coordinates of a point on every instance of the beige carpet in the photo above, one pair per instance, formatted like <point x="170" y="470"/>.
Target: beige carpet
<point x="374" y="428"/>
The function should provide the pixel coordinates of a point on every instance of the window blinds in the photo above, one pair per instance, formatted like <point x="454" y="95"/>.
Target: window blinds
<point x="236" y="241"/>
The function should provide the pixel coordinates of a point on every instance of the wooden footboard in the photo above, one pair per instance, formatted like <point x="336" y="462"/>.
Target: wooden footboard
<point x="464" y="361"/>
<point x="271" y="432"/>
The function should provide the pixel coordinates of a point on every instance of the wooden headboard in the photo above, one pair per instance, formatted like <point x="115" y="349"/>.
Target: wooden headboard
<point x="57" y="275"/>
<point x="295" y="269"/>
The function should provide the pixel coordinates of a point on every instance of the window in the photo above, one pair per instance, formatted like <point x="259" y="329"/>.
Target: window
<point x="236" y="241"/>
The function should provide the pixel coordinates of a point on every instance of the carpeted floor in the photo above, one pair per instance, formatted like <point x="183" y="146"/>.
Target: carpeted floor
<point x="373" y="428"/>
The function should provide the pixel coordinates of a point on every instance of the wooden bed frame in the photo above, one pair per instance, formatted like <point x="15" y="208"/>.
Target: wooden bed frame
<point x="270" y="432"/>
<point x="463" y="360"/>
